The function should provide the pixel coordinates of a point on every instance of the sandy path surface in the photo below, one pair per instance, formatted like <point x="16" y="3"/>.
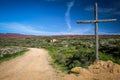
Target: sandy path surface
<point x="33" y="65"/>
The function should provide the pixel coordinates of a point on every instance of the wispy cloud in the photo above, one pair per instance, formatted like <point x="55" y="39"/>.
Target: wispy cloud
<point x="106" y="10"/>
<point x="28" y="29"/>
<point x="108" y="33"/>
<point x="112" y="11"/>
<point x="67" y="14"/>
<point x="81" y="30"/>
<point x="84" y="29"/>
<point x="89" y="8"/>
<point x="20" y="28"/>
<point x="117" y="12"/>
<point x="103" y="10"/>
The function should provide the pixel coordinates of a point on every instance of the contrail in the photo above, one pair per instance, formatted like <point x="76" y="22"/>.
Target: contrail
<point x="67" y="14"/>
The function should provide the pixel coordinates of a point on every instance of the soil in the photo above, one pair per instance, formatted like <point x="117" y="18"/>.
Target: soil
<point x="101" y="70"/>
<point x="35" y="65"/>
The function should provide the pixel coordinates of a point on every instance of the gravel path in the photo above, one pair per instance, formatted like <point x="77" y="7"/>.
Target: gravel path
<point x="33" y="65"/>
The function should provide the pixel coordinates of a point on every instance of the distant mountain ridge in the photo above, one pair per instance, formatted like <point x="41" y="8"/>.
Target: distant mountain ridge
<point x="13" y="35"/>
<point x="54" y="36"/>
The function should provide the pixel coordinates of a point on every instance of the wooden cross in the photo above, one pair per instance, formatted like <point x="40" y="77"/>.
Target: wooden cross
<point x="96" y="21"/>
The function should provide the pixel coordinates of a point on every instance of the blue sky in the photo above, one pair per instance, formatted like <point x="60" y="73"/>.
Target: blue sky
<point x="57" y="17"/>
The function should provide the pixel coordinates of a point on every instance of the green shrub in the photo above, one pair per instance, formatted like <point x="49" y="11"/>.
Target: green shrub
<point x="10" y="56"/>
<point x="106" y="57"/>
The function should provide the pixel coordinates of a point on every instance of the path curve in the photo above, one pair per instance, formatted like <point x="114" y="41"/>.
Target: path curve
<point x="33" y="65"/>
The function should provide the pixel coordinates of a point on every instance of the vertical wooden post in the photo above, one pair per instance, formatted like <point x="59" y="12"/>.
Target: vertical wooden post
<point x="96" y="32"/>
<point x="96" y="21"/>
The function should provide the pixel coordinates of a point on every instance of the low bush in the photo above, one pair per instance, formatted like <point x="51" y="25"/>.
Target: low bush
<point x="67" y="54"/>
<point x="10" y="56"/>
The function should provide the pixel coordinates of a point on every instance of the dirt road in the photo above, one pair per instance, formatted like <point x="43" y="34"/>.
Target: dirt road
<point x="33" y="65"/>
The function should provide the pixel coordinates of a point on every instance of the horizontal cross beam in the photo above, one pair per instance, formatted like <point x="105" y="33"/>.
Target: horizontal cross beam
<point x="95" y="21"/>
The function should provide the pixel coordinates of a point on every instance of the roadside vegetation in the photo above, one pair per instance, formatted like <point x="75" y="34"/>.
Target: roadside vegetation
<point x="8" y="53"/>
<point x="68" y="52"/>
